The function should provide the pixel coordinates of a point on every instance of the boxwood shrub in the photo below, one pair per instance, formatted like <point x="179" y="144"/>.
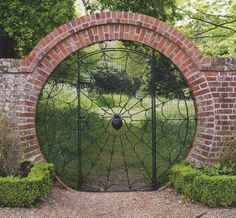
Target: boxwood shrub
<point x="26" y="192"/>
<point x="210" y="190"/>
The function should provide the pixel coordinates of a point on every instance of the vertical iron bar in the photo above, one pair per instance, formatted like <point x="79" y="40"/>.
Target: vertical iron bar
<point x="80" y="173"/>
<point x="153" y="97"/>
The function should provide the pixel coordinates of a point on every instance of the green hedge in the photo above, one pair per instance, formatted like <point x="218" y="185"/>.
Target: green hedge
<point x="210" y="190"/>
<point x="26" y="192"/>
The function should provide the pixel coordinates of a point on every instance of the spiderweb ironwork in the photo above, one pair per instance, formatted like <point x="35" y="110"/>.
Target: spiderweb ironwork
<point x="108" y="128"/>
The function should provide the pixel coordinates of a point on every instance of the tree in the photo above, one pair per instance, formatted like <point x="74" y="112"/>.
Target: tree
<point x="211" y="24"/>
<point x="23" y="23"/>
<point x="167" y="79"/>
<point x="163" y="10"/>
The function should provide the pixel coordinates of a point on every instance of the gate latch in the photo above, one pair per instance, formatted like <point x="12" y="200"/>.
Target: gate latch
<point x="116" y="122"/>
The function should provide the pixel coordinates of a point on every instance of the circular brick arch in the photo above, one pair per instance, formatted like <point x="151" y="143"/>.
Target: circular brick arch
<point x="90" y="29"/>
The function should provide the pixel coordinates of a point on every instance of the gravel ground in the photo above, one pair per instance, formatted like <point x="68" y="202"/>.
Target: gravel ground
<point x="159" y="204"/>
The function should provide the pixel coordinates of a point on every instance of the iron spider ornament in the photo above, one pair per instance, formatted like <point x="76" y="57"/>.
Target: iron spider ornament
<point x="116" y="122"/>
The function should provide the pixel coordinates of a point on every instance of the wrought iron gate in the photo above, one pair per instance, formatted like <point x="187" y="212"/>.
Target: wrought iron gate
<point x="118" y="122"/>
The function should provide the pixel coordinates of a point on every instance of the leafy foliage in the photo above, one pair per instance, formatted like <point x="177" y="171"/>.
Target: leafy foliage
<point x="27" y="22"/>
<point x="169" y="82"/>
<point x="219" y="169"/>
<point x="211" y="24"/>
<point x="163" y="10"/>
<point x="109" y="77"/>
<point x="210" y="190"/>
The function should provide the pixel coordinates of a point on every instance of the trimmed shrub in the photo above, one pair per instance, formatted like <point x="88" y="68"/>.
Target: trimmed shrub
<point x="111" y="78"/>
<point x="26" y="192"/>
<point x="210" y="190"/>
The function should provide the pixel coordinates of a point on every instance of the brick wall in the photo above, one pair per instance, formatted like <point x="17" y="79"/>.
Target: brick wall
<point x="212" y="81"/>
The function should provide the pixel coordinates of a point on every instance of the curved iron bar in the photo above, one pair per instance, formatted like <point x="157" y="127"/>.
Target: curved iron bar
<point x="133" y="105"/>
<point x="126" y="60"/>
<point x="114" y="58"/>
<point x="148" y="57"/>
<point x="66" y="102"/>
<point x="120" y="99"/>
<point x="62" y="163"/>
<point x="162" y="112"/>
<point x="88" y="109"/>
<point x="178" y="106"/>
<point x="102" y="45"/>
<point x="115" y="49"/>
<point x="173" y="161"/>
<point x="114" y="104"/>
<point x="105" y="60"/>
<point x="45" y="108"/>
<point x="130" y="97"/>
<point x="162" y="127"/>
<point x="58" y="92"/>
<point x="125" y="163"/>
<point x="95" y="103"/>
<point x="54" y="109"/>
<point x="148" y="146"/>
<point x="140" y="160"/>
<point x="144" y="110"/>
<point x="109" y="110"/>
<point x="96" y="139"/>
<point x="99" y="127"/>
<point x="180" y="130"/>
<point x="82" y="63"/>
<point x="70" y="132"/>
<point x="66" y="164"/>
<point x="180" y="150"/>
<point x="96" y="159"/>
<point x="110" y="162"/>
<point x="108" y="105"/>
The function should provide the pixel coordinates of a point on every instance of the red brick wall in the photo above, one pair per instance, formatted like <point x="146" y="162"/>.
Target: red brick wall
<point x="212" y="81"/>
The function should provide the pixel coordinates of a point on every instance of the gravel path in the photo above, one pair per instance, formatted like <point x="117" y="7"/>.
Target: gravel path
<point x="159" y="204"/>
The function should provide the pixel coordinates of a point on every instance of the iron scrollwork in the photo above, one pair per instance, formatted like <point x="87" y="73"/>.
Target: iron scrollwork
<point x="110" y="129"/>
